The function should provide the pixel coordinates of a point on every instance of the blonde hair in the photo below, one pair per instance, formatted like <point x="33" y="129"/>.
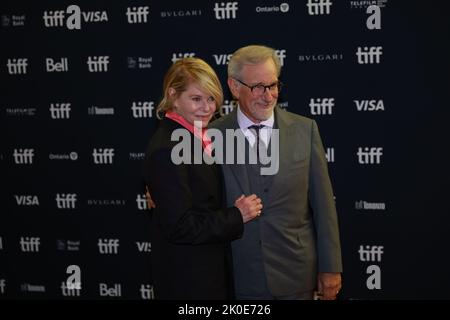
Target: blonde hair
<point x="181" y="74"/>
<point x="253" y="54"/>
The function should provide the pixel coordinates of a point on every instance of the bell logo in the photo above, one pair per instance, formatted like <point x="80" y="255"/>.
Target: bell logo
<point x="115" y="291"/>
<point x="53" y="66"/>
<point x="225" y="10"/>
<point x="330" y="155"/>
<point x="3" y="286"/>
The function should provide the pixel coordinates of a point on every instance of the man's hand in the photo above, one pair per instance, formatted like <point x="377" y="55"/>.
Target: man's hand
<point x="249" y="206"/>
<point x="150" y="203"/>
<point x="328" y="285"/>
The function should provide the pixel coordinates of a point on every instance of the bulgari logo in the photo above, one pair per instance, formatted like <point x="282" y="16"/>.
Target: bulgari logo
<point x="181" y="13"/>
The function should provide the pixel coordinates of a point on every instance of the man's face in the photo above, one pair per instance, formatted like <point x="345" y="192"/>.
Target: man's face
<point x="257" y="107"/>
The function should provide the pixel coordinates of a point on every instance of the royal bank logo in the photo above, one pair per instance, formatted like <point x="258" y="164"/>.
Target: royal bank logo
<point x="68" y="245"/>
<point x="179" y="56"/>
<point x="139" y="62"/>
<point x="363" y="4"/>
<point x="321" y="106"/>
<point x="60" y="110"/>
<point x="137" y="14"/>
<point x="20" y="112"/>
<point x="369" y="105"/>
<point x="321" y="57"/>
<point x="142" y="109"/>
<point x="181" y="13"/>
<point x="23" y="156"/>
<point x="99" y="111"/>
<point x="283" y="104"/>
<point x="108" y="246"/>
<point x="372" y="206"/>
<point x="53" y="65"/>
<point x="66" y="200"/>
<point x="369" y="155"/>
<point x="26" y="200"/>
<point x="225" y="10"/>
<point x="319" y="7"/>
<point x="26" y="287"/>
<point x="283" y="8"/>
<point x="98" y="63"/>
<point x="17" y="66"/>
<point x="147" y="292"/>
<point x="369" y="55"/>
<point x="72" y="17"/>
<point x="141" y="202"/>
<point x="73" y="156"/>
<point x="30" y="244"/>
<point x="13" y="20"/>
<point x="103" y="155"/>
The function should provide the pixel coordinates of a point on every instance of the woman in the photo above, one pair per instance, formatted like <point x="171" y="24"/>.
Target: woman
<point x="191" y="229"/>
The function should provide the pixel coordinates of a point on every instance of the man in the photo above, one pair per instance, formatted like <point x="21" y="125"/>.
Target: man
<point x="293" y="247"/>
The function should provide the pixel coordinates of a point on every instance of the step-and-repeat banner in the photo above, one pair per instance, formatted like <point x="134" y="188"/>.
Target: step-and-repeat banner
<point x="80" y="81"/>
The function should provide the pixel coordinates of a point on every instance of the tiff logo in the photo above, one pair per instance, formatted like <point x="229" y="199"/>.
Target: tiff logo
<point x="142" y="109"/>
<point x="72" y="285"/>
<point x="141" y="201"/>
<point x="227" y="107"/>
<point x="316" y="7"/>
<point x="329" y="154"/>
<point x="370" y="253"/>
<point x="115" y="291"/>
<point x="3" y="286"/>
<point x="66" y="201"/>
<point x="137" y="14"/>
<point x="103" y="156"/>
<point x="370" y="155"/>
<point x="29" y="244"/>
<point x="321" y="106"/>
<point x="147" y="292"/>
<point x="98" y="63"/>
<point x="225" y="10"/>
<point x="369" y="55"/>
<point x="23" y="156"/>
<point x="369" y="105"/>
<point x="60" y="110"/>
<point x="281" y="55"/>
<point x="17" y="66"/>
<point x="179" y="56"/>
<point x="53" y="66"/>
<point x="144" y="246"/>
<point x="108" y="246"/>
<point x="56" y="18"/>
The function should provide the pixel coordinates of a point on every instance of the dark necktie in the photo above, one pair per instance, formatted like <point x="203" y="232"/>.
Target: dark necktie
<point x="255" y="130"/>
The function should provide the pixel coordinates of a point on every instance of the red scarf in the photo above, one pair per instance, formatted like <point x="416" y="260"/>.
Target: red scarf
<point x="198" y="132"/>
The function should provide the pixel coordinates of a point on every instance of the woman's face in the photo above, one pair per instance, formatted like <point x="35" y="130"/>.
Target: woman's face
<point x="195" y="105"/>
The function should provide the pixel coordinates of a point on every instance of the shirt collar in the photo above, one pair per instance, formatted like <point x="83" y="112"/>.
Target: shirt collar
<point x="244" y="122"/>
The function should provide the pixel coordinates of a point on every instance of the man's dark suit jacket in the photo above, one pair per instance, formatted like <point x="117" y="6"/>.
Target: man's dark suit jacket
<point x="191" y="229"/>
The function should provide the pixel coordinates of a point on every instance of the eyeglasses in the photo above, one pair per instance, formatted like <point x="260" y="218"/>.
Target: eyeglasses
<point x="260" y="89"/>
